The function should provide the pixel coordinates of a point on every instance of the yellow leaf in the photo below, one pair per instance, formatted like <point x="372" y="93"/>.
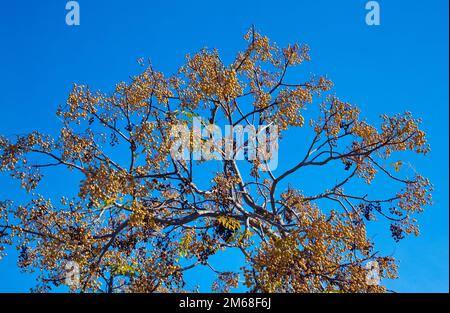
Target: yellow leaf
<point x="229" y="222"/>
<point x="397" y="165"/>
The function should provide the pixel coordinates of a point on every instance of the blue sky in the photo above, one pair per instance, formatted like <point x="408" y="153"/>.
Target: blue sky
<point x="397" y="66"/>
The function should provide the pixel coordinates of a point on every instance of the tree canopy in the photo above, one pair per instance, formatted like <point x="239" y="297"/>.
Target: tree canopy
<point x="142" y="218"/>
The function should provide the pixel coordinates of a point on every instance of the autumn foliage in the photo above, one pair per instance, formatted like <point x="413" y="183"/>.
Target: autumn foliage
<point x="140" y="219"/>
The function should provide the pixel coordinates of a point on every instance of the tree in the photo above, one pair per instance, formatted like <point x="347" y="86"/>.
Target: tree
<point x="138" y="223"/>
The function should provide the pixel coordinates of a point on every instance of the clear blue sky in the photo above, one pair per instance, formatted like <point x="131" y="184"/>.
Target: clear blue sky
<point x="400" y="65"/>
